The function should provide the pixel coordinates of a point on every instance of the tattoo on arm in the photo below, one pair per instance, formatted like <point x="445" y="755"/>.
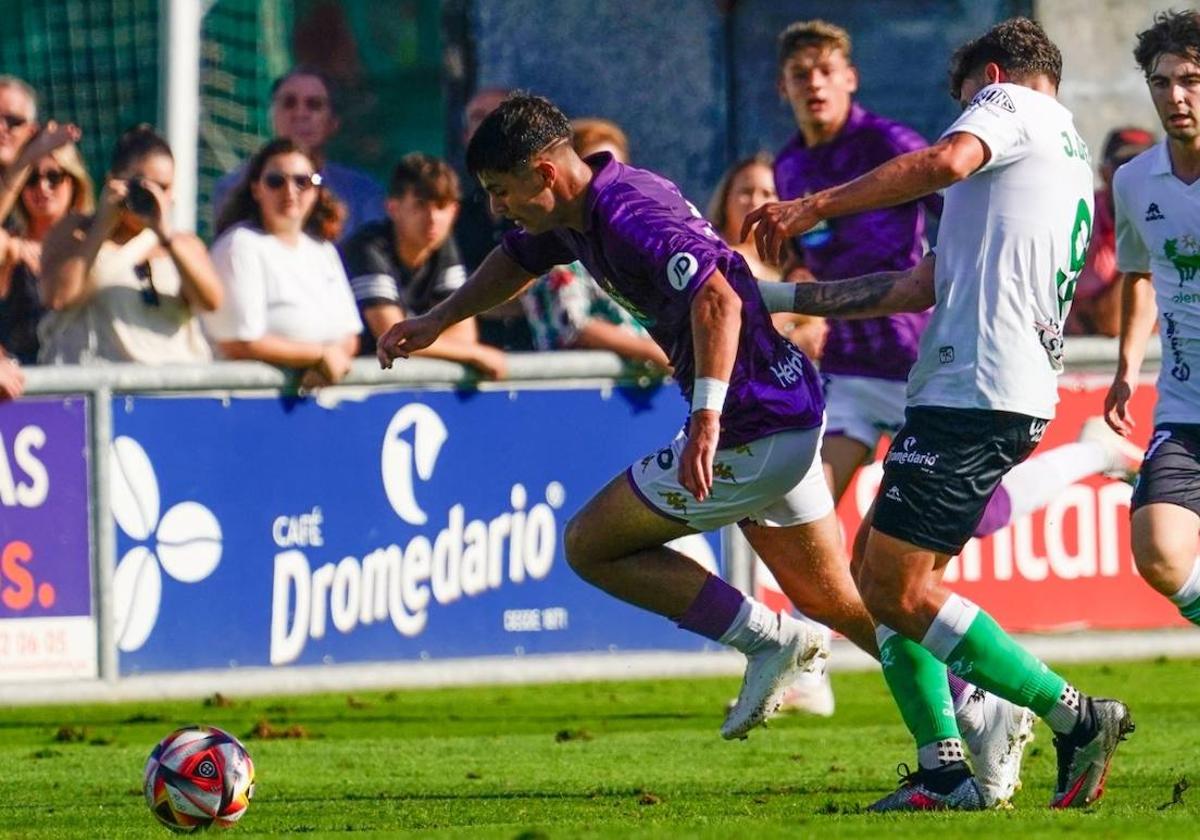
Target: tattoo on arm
<point x="871" y="294"/>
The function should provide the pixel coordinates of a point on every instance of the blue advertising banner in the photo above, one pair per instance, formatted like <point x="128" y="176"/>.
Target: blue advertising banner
<point x="46" y="623"/>
<point x="395" y="526"/>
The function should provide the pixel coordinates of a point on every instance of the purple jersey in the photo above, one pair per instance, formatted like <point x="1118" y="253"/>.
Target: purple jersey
<point x="650" y="250"/>
<point x="891" y="239"/>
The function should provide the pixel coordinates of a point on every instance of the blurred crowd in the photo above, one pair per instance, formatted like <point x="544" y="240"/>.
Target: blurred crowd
<point x="313" y="259"/>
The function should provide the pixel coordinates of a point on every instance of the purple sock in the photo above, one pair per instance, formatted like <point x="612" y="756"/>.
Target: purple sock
<point x="714" y="610"/>
<point x="996" y="515"/>
<point x="958" y="686"/>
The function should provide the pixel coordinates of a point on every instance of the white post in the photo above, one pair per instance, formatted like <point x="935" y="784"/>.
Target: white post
<point x="179" y="98"/>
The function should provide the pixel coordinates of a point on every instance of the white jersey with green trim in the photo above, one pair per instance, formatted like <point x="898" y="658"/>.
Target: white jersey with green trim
<point x="1158" y="231"/>
<point x="1012" y="241"/>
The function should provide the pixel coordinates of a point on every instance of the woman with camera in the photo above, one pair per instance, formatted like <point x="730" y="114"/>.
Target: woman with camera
<point x="287" y="299"/>
<point x="123" y="285"/>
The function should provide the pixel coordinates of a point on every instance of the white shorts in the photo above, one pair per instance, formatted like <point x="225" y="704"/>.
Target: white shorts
<point x="863" y="408"/>
<point x="775" y="481"/>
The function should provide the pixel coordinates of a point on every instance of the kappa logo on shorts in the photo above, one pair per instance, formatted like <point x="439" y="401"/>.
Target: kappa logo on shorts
<point x="893" y="494"/>
<point x="681" y="268"/>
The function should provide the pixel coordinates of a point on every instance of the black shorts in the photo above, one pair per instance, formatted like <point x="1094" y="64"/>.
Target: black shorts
<point x="1170" y="472"/>
<point x="943" y="466"/>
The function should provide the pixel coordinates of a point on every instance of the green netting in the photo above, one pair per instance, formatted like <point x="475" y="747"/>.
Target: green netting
<point x="93" y="62"/>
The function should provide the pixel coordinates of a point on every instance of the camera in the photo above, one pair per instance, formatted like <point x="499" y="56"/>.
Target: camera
<point x="140" y="200"/>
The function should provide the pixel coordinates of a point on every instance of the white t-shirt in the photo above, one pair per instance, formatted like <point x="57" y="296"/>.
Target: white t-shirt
<point x="1012" y="240"/>
<point x="1158" y="231"/>
<point x="271" y="288"/>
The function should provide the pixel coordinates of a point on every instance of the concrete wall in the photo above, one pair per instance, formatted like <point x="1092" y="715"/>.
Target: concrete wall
<point x="1101" y="83"/>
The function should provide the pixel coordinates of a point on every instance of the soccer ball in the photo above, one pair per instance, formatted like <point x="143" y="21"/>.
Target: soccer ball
<point x="197" y="777"/>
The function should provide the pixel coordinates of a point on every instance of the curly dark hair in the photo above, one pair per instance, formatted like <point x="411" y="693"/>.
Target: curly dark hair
<point x="1019" y="45"/>
<point x="514" y="133"/>
<point x="1172" y="32"/>
<point x="323" y="223"/>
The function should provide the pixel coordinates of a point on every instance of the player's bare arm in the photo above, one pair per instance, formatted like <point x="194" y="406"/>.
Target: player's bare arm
<point x="1138" y="313"/>
<point x="716" y="325"/>
<point x="497" y="280"/>
<point x="868" y="296"/>
<point x="902" y="179"/>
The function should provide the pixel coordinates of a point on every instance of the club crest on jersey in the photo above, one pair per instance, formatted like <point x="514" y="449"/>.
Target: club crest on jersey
<point x="681" y="268"/>
<point x="995" y="97"/>
<point x="1184" y="254"/>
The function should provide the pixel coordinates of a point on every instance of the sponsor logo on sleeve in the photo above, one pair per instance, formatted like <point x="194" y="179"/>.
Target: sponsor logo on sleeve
<point x="681" y="268"/>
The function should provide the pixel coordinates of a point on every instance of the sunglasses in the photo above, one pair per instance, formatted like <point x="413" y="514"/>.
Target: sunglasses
<point x="149" y="293"/>
<point x="311" y="103"/>
<point x="51" y="177"/>
<point x="13" y="120"/>
<point x="277" y="180"/>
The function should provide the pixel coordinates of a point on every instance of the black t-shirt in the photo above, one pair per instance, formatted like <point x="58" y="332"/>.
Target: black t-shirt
<point x="377" y="275"/>
<point x="20" y="311"/>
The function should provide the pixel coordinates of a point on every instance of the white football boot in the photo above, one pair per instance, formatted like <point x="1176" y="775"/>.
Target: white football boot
<point x="798" y="647"/>
<point x="997" y="733"/>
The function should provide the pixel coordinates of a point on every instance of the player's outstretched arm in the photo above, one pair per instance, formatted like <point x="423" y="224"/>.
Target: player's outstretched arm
<point x="902" y="179"/>
<point x="1138" y="312"/>
<point x="497" y="280"/>
<point x="716" y="325"/>
<point x="868" y="296"/>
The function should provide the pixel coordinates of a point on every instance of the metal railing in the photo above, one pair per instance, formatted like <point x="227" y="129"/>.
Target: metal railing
<point x="99" y="383"/>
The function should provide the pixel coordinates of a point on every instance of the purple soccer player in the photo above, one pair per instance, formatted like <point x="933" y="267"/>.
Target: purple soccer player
<point x="749" y="453"/>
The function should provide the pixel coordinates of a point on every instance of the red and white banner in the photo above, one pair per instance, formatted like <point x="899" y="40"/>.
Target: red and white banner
<point x="1067" y="566"/>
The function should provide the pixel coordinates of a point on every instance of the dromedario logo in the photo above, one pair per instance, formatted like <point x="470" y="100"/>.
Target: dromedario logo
<point x="185" y="542"/>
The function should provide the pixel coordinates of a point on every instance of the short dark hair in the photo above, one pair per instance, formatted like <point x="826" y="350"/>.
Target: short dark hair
<point x="515" y="132"/>
<point x="331" y="89"/>
<point x="1172" y="32"/>
<point x="1019" y="45"/>
<point x="431" y="178"/>
<point x="812" y="33"/>
<point x="135" y="145"/>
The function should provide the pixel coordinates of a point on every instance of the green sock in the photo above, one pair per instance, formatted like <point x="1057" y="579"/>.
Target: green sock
<point x="989" y="658"/>
<point x="1191" y="611"/>
<point x="918" y="683"/>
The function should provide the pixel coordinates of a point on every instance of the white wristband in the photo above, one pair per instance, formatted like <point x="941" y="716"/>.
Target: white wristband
<point x="779" y="297"/>
<point x="709" y="394"/>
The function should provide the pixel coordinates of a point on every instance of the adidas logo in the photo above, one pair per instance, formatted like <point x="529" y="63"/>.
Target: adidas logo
<point x="1153" y="214"/>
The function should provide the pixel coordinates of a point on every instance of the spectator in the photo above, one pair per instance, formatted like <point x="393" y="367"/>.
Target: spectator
<point x="57" y="184"/>
<point x="18" y="129"/>
<point x="303" y="111"/>
<point x="566" y="308"/>
<point x="477" y="231"/>
<point x="287" y="299"/>
<point x="1096" y="309"/>
<point x="750" y="183"/>
<point x="122" y="285"/>
<point x="403" y="265"/>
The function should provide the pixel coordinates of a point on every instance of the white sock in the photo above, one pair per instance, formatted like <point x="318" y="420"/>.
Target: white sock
<point x="940" y="753"/>
<point x="1064" y="714"/>
<point x="1034" y="483"/>
<point x="755" y="627"/>
<point x="1190" y="590"/>
<point x="949" y="626"/>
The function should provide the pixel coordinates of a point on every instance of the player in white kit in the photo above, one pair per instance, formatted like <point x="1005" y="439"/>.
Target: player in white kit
<point x="1014" y="234"/>
<point x="1158" y="249"/>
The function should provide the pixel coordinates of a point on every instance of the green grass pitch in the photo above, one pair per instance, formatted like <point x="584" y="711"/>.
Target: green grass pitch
<point x="604" y="760"/>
